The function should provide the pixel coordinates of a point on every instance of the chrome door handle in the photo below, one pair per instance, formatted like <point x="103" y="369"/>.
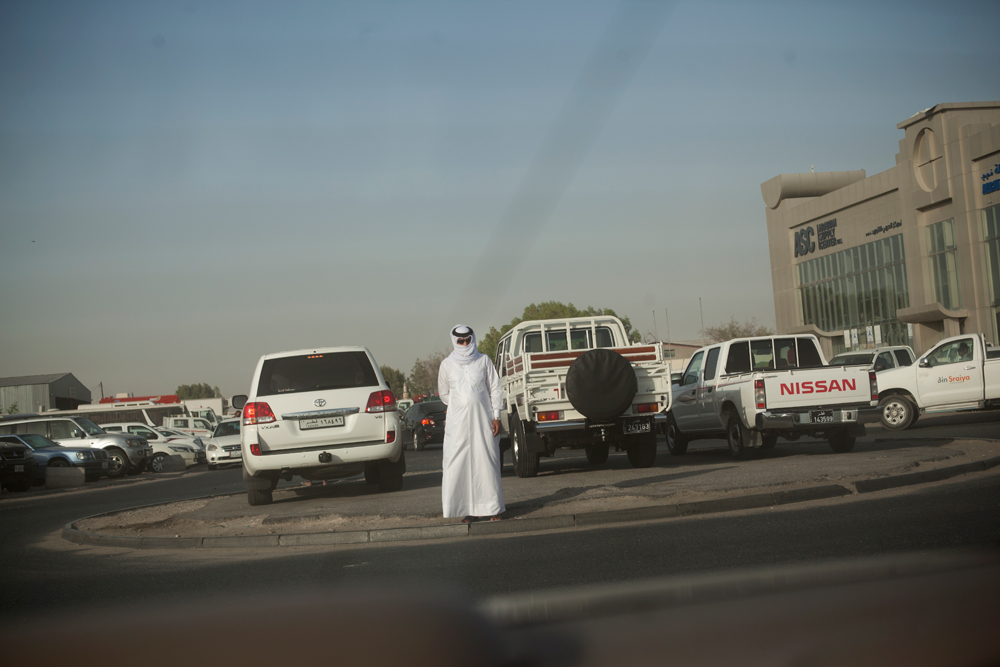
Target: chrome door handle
<point x="970" y="368"/>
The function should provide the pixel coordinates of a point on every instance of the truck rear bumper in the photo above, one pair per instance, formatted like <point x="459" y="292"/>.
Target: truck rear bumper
<point x="805" y="420"/>
<point x="580" y="424"/>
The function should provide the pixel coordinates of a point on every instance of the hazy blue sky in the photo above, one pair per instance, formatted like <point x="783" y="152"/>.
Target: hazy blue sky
<point x="185" y="186"/>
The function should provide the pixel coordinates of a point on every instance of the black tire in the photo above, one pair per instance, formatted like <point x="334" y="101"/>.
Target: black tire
<point x="371" y="472"/>
<point x="117" y="463"/>
<point x="601" y="384"/>
<point x="597" y="453"/>
<point x="525" y="462"/>
<point x="156" y="463"/>
<point x="736" y="436"/>
<point x="390" y="475"/>
<point x="20" y="486"/>
<point x="842" y="442"/>
<point x="259" y="497"/>
<point x="677" y="442"/>
<point x="58" y="463"/>
<point x="641" y="449"/>
<point x="768" y="440"/>
<point x="896" y="412"/>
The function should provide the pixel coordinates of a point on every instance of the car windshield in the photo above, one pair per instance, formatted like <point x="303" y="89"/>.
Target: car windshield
<point x="227" y="428"/>
<point x="863" y="359"/>
<point x="206" y="201"/>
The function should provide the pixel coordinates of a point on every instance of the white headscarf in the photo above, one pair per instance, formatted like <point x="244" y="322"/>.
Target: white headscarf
<point x="463" y="354"/>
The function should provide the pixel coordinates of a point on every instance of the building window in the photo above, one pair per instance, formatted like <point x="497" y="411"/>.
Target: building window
<point x="991" y="232"/>
<point x="857" y="287"/>
<point x="942" y="263"/>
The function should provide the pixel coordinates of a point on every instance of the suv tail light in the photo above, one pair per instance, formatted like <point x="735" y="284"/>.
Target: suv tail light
<point x="759" y="397"/>
<point x="381" y="401"/>
<point x="257" y="413"/>
<point x="873" y="384"/>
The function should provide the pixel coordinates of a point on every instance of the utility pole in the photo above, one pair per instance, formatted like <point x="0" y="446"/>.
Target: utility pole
<point x="102" y="389"/>
<point x="702" y="313"/>
<point x="655" y="332"/>
<point x="667" y="315"/>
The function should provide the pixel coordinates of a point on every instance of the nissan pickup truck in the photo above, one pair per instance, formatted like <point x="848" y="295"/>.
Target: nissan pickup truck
<point x="751" y="391"/>
<point x="959" y="373"/>
<point x="579" y="383"/>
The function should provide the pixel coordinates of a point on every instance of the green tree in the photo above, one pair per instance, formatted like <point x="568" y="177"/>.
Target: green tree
<point x="394" y="378"/>
<point x="549" y="310"/>
<point x="189" y="391"/>
<point x="734" y="329"/>
<point x="12" y="408"/>
<point x="424" y="376"/>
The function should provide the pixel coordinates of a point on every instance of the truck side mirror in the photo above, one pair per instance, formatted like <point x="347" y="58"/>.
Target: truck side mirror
<point x="880" y="366"/>
<point x="925" y="363"/>
<point x="238" y="401"/>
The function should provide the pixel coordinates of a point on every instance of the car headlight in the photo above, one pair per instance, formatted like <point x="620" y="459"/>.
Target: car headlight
<point x="81" y="456"/>
<point x="28" y="454"/>
<point x="213" y="448"/>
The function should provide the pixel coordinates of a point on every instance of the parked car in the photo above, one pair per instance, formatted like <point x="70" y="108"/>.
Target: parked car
<point x="192" y="441"/>
<point x="17" y="466"/>
<point x="320" y="414"/>
<point x="424" y="423"/>
<point x="163" y="445"/>
<point x="49" y="454"/>
<point x="224" y="445"/>
<point x="877" y="359"/>
<point x="194" y="426"/>
<point x="128" y="453"/>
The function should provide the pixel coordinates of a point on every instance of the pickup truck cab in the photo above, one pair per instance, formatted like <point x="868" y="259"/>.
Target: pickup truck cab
<point x="194" y="426"/>
<point x="877" y="359"/>
<point x="959" y="373"/>
<point x="751" y="391"/>
<point x="579" y="382"/>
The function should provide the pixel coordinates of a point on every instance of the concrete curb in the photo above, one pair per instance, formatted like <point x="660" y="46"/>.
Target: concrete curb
<point x="528" y="525"/>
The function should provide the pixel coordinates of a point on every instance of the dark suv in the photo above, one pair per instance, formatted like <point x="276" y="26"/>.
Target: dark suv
<point x="17" y="466"/>
<point x="424" y="423"/>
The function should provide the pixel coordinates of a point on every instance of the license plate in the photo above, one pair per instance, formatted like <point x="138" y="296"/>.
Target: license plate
<point x="636" y="426"/>
<point x="322" y="422"/>
<point x="104" y="464"/>
<point x="238" y="454"/>
<point x="821" y="416"/>
<point x="18" y="468"/>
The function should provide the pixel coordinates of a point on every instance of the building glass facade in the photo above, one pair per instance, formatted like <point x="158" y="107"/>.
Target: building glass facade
<point x="942" y="263"/>
<point x="858" y="287"/>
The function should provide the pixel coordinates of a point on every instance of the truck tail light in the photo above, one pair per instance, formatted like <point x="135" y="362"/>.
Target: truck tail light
<point x="548" y="416"/>
<point x="759" y="397"/>
<point x="873" y="384"/>
<point x="257" y="413"/>
<point x="381" y="401"/>
<point x="646" y="407"/>
<point x="255" y="449"/>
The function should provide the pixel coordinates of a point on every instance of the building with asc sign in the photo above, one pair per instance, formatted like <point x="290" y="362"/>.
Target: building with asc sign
<point x="905" y="257"/>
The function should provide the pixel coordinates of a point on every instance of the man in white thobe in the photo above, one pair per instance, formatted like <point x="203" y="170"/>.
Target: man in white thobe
<point x="469" y="385"/>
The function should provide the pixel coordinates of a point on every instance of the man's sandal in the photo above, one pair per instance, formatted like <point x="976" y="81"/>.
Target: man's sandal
<point x="469" y="519"/>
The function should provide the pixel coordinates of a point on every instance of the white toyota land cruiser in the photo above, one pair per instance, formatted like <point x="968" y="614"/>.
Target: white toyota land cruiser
<point x="579" y="383"/>
<point x="320" y="414"/>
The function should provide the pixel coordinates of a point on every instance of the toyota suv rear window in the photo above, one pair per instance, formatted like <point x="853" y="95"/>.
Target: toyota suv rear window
<point x="315" y="372"/>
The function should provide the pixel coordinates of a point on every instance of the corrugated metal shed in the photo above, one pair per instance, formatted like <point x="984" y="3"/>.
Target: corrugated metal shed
<point x="36" y="393"/>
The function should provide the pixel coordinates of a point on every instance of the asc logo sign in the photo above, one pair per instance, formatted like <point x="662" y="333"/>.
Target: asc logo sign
<point x="804" y="243"/>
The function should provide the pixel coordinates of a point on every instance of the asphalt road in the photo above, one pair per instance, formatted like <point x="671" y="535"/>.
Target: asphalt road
<point x="42" y="573"/>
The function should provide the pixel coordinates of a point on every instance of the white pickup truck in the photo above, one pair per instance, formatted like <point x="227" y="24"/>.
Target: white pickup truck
<point x="580" y="383"/>
<point x="960" y="373"/>
<point x="751" y="391"/>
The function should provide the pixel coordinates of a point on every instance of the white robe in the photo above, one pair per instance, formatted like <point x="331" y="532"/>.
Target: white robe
<point x="470" y="484"/>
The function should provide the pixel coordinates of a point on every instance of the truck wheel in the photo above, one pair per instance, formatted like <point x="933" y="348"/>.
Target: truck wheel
<point x="842" y="442"/>
<point x="390" y="475"/>
<point x="896" y="412"/>
<point x="597" y="453"/>
<point x="736" y="434"/>
<point x="601" y="384"/>
<point x="156" y="464"/>
<point x="371" y="472"/>
<point x="768" y="441"/>
<point x="117" y="462"/>
<point x="641" y="449"/>
<point x="677" y="442"/>
<point x="525" y="462"/>
<point x="259" y="496"/>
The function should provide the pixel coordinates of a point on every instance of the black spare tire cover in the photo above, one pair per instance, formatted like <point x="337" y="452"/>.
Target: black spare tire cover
<point x="601" y="384"/>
